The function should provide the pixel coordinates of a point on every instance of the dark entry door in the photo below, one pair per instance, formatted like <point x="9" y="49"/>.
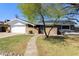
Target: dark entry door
<point x="41" y="29"/>
<point x="58" y="30"/>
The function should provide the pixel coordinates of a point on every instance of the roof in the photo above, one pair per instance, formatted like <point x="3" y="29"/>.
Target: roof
<point x="18" y="20"/>
<point x="47" y="22"/>
<point x="58" y="22"/>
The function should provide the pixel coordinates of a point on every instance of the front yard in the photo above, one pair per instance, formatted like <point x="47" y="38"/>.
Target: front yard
<point x="52" y="46"/>
<point x="14" y="45"/>
<point x="58" y="46"/>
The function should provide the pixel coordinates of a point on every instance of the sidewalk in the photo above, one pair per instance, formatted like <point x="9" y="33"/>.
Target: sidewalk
<point x="31" y="47"/>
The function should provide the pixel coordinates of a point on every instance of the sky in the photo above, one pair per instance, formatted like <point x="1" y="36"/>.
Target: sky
<point x="9" y="10"/>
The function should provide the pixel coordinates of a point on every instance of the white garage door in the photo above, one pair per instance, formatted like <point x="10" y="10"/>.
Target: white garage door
<point x="18" y="29"/>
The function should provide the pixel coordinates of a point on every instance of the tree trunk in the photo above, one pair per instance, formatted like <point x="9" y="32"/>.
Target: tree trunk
<point x="44" y="25"/>
<point x="52" y="27"/>
<point x="50" y="30"/>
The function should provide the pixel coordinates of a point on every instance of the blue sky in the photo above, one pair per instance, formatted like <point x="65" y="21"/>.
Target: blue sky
<point x="9" y="10"/>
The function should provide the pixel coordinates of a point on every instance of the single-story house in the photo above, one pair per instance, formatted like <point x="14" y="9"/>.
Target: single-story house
<point x="20" y="26"/>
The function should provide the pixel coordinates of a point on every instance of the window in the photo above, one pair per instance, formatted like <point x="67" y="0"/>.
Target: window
<point x="65" y="27"/>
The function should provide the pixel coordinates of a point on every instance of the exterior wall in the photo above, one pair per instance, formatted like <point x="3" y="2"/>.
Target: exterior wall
<point x="18" y="23"/>
<point x="31" y="29"/>
<point x="4" y="28"/>
<point x="36" y="30"/>
<point x="76" y="29"/>
<point x="18" y="28"/>
<point x="8" y="30"/>
<point x="53" y="31"/>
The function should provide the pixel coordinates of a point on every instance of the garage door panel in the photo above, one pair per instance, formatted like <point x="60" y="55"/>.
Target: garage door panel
<point x="18" y="29"/>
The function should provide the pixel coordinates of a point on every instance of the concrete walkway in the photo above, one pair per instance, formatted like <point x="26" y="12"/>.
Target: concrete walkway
<point x="31" y="47"/>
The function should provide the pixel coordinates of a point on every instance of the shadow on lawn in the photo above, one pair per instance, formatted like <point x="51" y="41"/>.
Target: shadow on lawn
<point x="56" y="39"/>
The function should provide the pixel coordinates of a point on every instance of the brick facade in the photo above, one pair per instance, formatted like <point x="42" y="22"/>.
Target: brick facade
<point x="36" y="30"/>
<point x="31" y="30"/>
<point x="53" y="31"/>
<point x="8" y="29"/>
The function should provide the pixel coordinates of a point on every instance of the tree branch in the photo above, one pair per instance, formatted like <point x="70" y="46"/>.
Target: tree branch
<point x="43" y="24"/>
<point x="52" y="27"/>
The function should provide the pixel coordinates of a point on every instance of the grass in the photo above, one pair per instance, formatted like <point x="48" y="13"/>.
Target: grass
<point x="58" y="46"/>
<point x="14" y="45"/>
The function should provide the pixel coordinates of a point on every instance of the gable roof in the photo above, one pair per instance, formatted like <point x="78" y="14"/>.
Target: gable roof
<point x="15" y="20"/>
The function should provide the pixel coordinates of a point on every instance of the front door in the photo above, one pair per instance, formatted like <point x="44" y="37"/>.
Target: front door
<point x="58" y="30"/>
<point x="41" y="29"/>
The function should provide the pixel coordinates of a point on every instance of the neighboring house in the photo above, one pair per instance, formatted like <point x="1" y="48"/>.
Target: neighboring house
<point x="20" y="26"/>
<point x="3" y="27"/>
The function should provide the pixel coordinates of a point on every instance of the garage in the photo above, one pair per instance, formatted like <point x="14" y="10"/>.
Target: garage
<point x="17" y="26"/>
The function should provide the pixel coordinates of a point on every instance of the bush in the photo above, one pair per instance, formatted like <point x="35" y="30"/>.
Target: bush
<point x="31" y="32"/>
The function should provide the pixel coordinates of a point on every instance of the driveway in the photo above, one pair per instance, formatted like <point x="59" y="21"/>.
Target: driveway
<point x="2" y="35"/>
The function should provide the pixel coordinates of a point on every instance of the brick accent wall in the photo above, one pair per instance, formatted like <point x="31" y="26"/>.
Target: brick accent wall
<point x="35" y="30"/>
<point x="8" y="29"/>
<point x="53" y="31"/>
<point x="31" y="29"/>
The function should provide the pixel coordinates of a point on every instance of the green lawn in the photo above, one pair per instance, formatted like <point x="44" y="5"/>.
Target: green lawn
<point x="14" y="45"/>
<point x="58" y="46"/>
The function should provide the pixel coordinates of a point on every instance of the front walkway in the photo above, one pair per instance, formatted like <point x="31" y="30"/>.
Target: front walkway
<point x="31" y="47"/>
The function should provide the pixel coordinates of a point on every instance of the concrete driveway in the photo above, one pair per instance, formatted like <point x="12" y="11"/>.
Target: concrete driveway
<point x="2" y="35"/>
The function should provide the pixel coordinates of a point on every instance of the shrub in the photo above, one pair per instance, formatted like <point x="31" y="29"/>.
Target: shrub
<point x="31" y="32"/>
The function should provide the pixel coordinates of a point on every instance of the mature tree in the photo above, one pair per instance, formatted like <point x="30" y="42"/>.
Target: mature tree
<point x="33" y="12"/>
<point x="40" y="11"/>
<point x="58" y="12"/>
